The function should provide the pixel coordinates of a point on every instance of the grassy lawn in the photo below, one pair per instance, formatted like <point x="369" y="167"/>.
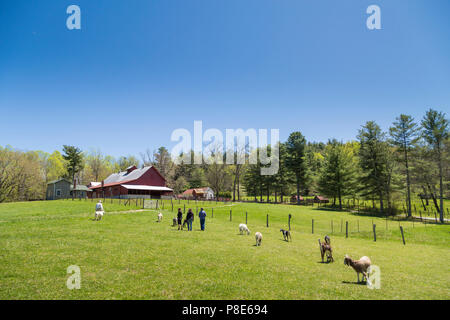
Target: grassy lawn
<point x="128" y="255"/>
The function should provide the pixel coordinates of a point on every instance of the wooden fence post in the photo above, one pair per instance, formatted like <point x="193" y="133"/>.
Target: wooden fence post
<point x="267" y="222"/>
<point x="230" y="215"/>
<point x="358" y="226"/>
<point x="212" y="212"/>
<point x="312" y="226"/>
<point x="403" y="237"/>
<point x="331" y="226"/>
<point x="374" y="233"/>
<point x="346" y="229"/>
<point x="289" y="221"/>
<point x="245" y="217"/>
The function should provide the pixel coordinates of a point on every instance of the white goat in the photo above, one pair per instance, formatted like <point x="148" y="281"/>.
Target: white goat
<point x="160" y="216"/>
<point x="258" y="237"/>
<point x="98" y="215"/>
<point x="360" y="266"/>
<point x="243" y="228"/>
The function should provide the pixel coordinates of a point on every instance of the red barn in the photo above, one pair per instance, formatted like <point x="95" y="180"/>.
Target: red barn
<point x="132" y="183"/>
<point x="320" y="199"/>
<point x="294" y="199"/>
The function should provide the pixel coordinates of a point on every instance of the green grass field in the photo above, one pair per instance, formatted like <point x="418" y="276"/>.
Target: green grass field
<point x="128" y="255"/>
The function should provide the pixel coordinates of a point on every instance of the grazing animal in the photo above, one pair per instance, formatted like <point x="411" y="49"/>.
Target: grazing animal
<point x="160" y="216"/>
<point x="325" y="248"/>
<point x="258" y="237"/>
<point x="286" y="234"/>
<point x="98" y="215"/>
<point x="360" y="266"/>
<point x="174" y="222"/>
<point x="243" y="228"/>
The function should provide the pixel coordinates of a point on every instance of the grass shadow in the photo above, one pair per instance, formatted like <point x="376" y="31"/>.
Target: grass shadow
<point x="362" y="283"/>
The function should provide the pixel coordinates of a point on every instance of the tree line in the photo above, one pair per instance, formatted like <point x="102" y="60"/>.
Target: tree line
<point x="412" y="157"/>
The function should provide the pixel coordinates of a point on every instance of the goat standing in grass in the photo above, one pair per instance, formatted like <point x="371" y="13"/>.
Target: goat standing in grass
<point x="286" y="234"/>
<point x="258" y="237"/>
<point x="360" y="266"/>
<point x="160" y="216"/>
<point x="99" y="211"/>
<point x="325" y="248"/>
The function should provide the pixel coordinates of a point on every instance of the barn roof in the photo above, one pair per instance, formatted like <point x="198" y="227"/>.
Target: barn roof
<point x="120" y="177"/>
<point x="58" y="180"/>
<point x="126" y="176"/>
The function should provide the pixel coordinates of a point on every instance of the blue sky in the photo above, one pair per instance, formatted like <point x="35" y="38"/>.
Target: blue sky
<point x="137" y="70"/>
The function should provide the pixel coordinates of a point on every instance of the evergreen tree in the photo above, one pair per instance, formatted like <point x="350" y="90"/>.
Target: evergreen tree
<point x="295" y="161"/>
<point x="374" y="161"/>
<point x="74" y="161"/>
<point x="435" y="132"/>
<point x="404" y="135"/>
<point x="338" y="174"/>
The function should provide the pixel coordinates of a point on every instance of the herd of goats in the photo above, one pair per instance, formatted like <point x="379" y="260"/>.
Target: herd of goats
<point x="360" y="266"/>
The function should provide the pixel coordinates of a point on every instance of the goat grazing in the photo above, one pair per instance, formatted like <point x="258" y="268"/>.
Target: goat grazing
<point x="243" y="228"/>
<point x="258" y="237"/>
<point x="174" y="222"/>
<point x="286" y="234"/>
<point x="360" y="266"/>
<point x="325" y="248"/>
<point x="160" y="216"/>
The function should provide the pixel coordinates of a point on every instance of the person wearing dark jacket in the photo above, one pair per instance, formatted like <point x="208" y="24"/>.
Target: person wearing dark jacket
<point x="179" y="218"/>
<point x="202" y="216"/>
<point x="190" y="219"/>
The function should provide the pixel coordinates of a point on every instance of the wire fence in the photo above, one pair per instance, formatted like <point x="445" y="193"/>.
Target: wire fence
<point x="351" y="226"/>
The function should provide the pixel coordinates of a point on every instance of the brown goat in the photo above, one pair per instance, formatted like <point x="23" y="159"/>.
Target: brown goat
<point x="360" y="266"/>
<point x="325" y="248"/>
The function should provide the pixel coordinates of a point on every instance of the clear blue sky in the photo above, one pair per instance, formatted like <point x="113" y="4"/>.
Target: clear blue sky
<point x="140" y="69"/>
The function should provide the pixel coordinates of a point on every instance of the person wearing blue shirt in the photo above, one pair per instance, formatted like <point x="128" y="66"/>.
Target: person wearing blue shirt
<point x="202" y="216"/>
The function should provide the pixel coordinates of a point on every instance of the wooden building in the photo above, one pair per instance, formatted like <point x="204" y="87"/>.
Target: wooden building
<point x="145" y="182"/>
<point x="320" y="199"/>
<point x="205" y="193"/>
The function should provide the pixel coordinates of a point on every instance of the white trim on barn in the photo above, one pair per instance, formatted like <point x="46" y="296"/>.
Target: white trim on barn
<point x="143" y="187"/>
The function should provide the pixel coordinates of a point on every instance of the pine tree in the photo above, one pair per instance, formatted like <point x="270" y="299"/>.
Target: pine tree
<point x="435" y="132"/>
<point x="338" y="174"/>
<point x="404" y="135"/>
<point x="295" y="161"/>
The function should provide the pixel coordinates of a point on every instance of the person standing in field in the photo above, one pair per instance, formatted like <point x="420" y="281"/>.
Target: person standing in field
<point x="202" y="216"/>
<point x="179" y="218"/>
<point x="190" y="219"/>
